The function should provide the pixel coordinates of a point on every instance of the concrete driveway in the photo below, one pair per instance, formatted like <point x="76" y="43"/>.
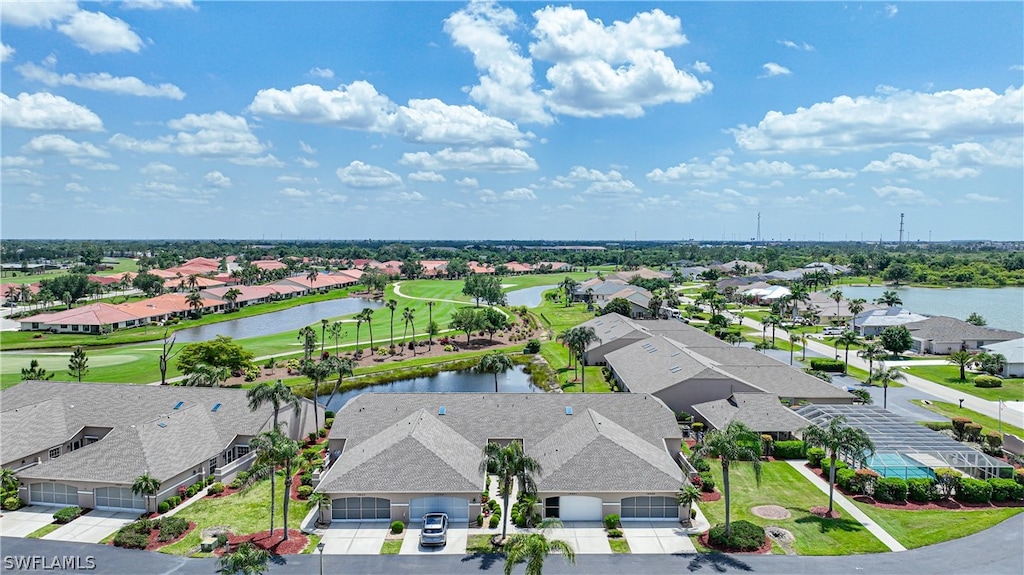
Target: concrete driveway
<point x="458" y="533"/>
<point x="586" y="537"/>
<point x="359" y="538"/>
<point x="92" y="527"/>
<point x="660" y="537"/>
<point x="26" y="520"/>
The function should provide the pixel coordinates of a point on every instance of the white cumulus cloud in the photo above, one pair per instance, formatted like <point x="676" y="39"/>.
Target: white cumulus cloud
<point x="101" y="82"/>
<point x="426" y="177"/>
<point x="6" y="52"/>
<point x="98" y="33"/>
<point x="217" y="179"/>
<point x="42" y="14"/>
<point x="361" y="175"/>
<point x="898" y="196"/>
<point x="321" y="73"/>
<point x="476" y="159"/>
<point x="717" y="169"/>
<point x="357" y="106"/>
<point x="62" y="145"/>
<point x="157" y="4"/>
<point x="45" y="111"/>
<point x="772" y="69"/>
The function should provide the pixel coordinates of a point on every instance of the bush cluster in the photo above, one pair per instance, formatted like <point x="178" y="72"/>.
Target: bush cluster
<point x="987" y="381"/>
<point x="163" y="507"/>
<point x="397" y="527"/>
<point x="304" y="491"/>
<point x="611" y="521"/>
<point x="891" y="489"/>
<point x="922" y="490"/>
<point x="171" y="528"/>
<point x="67" y="514"/>
<point x="707" y="482"/>
<point x="532" y="346"/>
<point x="827" y="365"/>
<point x="13" y="502"/>
<point x="701" y="465"/>
<point x="814" y="456"/>
<point x="216" y="488"/>
<point x="846" y="479"/>
<point x="790" y="450"/>
<point x="973" y="490"/>
<point x="745" y="536"/>
<point x="826" y="468"/>
<point x="495" y="519"/>
<point x="1006" y="490"/>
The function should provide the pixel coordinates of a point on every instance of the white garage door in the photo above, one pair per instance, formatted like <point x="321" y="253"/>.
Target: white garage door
<point x="456" y="508"/>
<point x="119" y="499"/>
<point x="580" y="508"/>
<point x="53" y="494"/>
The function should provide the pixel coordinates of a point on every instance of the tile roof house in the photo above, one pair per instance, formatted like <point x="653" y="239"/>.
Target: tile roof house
<point x="399" y="456"/>
<point x="944" y="335"/>
<point x="85" y="443"/>
<point x="84" y="319"/>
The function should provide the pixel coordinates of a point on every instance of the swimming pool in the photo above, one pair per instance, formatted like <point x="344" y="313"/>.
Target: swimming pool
<point x="898" y="465"/>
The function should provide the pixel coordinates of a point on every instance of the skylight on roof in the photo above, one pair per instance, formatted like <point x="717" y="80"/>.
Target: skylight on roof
<point x="161" y="424"/>
<point x="568" y="410"/>
<point x="179" y="404"/>
<point x="442" y="410"/>
<point x="215" y="407"/>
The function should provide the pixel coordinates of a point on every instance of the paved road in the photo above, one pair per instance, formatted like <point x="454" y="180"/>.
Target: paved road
<point x="992" y="552"/>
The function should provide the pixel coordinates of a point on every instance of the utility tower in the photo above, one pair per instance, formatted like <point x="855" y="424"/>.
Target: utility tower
<point x="758" y="227"/>
<point x="901" y="229"/>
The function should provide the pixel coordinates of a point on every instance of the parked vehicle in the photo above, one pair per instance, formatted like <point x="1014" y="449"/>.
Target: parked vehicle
<point x="435" y="530"/>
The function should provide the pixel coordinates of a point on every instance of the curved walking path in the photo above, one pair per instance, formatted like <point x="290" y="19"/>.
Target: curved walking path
<point x="849" y="507"/>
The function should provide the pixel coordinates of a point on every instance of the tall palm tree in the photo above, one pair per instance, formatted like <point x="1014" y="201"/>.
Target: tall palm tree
<point x="889" y="298"/>
<point x="884" y="376"/>
<point x="409" y="318"/>
<point x="568" y="286"/>
<point x="287" y="452"/>
<point x="533" y="548"/>
<point x="248" y="559"/>
<point x="510" y="464"/>
<point x="494" y="362"/>
<point x="584" y="336"/>
<point x="773" y="321"/>
<point x="266" y="446"/>
<point x="335" y="331"/>
<point x="847" y="338"/>
<point x="872" y="351"/>
<point x="311" y="277"/>
<point x="307" y="336"/>
<point x="323" y="335"/>
<point x="359" y="324"/>
<point x="565" y="338"/>
<point x="317" y="372"/>
<point x="195" y="301"/>
<point x="192" y="281"/>
<point x="342" y="366"/>
<point x="368" y="318"/>
<point x="277" y="394"/>
<point x="146" y="485"/>
<point x="737" y="442"/>
<point x="391" y="305"/>
<point x="430" y="322"/>
<point x="836" y="296"/>
<point x="801" y="339"/>
<point x="206" y="375"/>
<point x="856" y="306"/>
<point x="231" y="296"/>
<point x="961" y="359"/>
<point x="798" y="293"/>
<point x="836" y="438"/>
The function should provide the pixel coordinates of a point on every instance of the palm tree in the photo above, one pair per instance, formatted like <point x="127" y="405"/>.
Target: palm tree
<point x="886" y="376"/>
<point x="287" y="452"/>
<point x="856" y="306"/>
<point x="774" y="321"/>
<point x="688" y="495"/>
<point x="872" y="351"/>
<point x="391" y="305"/>
<point x="311" y="277"/>
<point x="847" y="338"/>
<point x="195" y="301"/>
<point x="277" y="394"/>
<point x="409" y="318"/>
<point x="231" y="296"/>
<point x="565" y="338"/>
<point x="800" y="339"/>
<point x="248" y="559"/>
<point x="8" y="479"/>
<point x="359" y="323"/>
<point x="889" y="298"/>
<point x="317" y="372"/>
<point x="430" y="322"/>
<point x="961" y="359"/>
<point x="582" y="338"/>
<point x="323" y="335"/>
<point x="342" y="366"/>
<point x="835" y="438"/>
<point x="68" y="300"/>
<point x="266" y="446"/>
<point x="837" y="296"/>
<point x="146" y="485"/>
<point x="510" y="464"/>
<point x="798" y="293"/>
<point x="494" y="362"/>
<point x="322" y="501"/>
<point x="336" y="330"/>
<point x="568" y="286"/>
<point x="206" y="375"/>
<point x="368" y="318"/>
<point x="734" y="443"/>
<point x="307" y="336"/>
<point x="533" y="548"/>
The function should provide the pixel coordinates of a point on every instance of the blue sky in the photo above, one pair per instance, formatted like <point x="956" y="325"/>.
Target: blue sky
<point x="591" y="120"/>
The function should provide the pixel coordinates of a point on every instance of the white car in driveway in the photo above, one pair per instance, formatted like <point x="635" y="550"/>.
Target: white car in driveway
<point x="435" y="530"/>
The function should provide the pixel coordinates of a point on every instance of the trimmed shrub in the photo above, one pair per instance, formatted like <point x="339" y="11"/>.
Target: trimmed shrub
<point x="397" y="527"/>
<point x="243" y="476"/>
<point x="826" y="468"/>
<point x="938" y="425"/>
<point x="236" y="483"/>
<point x="480" y="520"/>
<point x="163" y="507"/>
<point x="701" y="465"/>
<point x="216" y="488"/>
<point x="171" y="528"/>
<point x="814" y="456"/>
<point x="306" y="479"/>
<point x="329" y="414"/>
<point x="972" y="432"/>
<point x="827" y="365"/>
<point x="494" y="506"/>
<point x="12" y="503"/>
<point x="745" y="536"/>
<point x="532" y="346"/>
<point x="1018" y="475"/>
<point x="973" y="490"/>
<point x="614" y="533"/>
<point x="611" y="521"/>
<point x="891" y="489"/>
<point x="1006" y="490"/>
<point x="922" y="490"/>
<point x="131" y="539"/>
<point x="947" y="480"/>
<point x="311" y="436"/>
<point x="67" y="514"/>
<point x="329" y="422"/>
<point x="707" y="482"/>
<point x="174" y="501"/>
<point x="959" y="427"/>
<point x="322" y="432"/>
<point x="790" y="450"/>
<point x="493" y="523"/>
<point x="846" y="479"/>
<point x="987" y="381"/>
<point x="304" y="491"/>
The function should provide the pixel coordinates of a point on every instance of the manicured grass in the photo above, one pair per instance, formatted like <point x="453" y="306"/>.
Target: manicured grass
<point x="619" y="545"/>
<point x="557" y="357"/>
<point x="391" y="547"/>
<point x="926" y="527"/>
<point x="988" y="424"/>
<point x="43" y="531"/>
<point x="245" y="512"/>
<point x="558" y="317"/>
<point x="949" y="376"/>
<point x="313" y="540"/>
<point x="479" y="544"/>
<point x="782" y="485"/>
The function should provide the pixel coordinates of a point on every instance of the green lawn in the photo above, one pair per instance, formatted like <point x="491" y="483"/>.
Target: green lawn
<point x="479" y="544"/>
<point x="619" y="545"/>
<point x="951" y="410"/>
<point x="245" y="512"/>
<point x="43" y="531"/>
<point x="919" y="528"/>
<point x="391" y="547"/>
<point x="782" y="485"/>
<point x="949" y="376"/>
<point x="557" y="356"/>
<point x="558" y="317"/>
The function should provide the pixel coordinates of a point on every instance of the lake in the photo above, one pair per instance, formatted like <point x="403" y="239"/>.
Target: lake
<point x="1001" y="307"/>
<point x="294" y="318"/>
<point x="512" y="381"/>
<point x="530" y="297"/>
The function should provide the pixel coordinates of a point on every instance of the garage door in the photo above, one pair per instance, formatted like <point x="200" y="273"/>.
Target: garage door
<point x="456" y="508"/>
<point x="119" y="499"/>
<point x="580" y="508"/>
<point x="645" y="507"/>
<point x="53" y="494"/>
<point x="361" y="509"/>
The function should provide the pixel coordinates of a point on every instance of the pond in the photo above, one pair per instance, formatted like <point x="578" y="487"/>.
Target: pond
<point x="290" y="319"/>
<point x="512" y="381"/>
<point x="530" y="297"/>
<point x="1001" y="307"/>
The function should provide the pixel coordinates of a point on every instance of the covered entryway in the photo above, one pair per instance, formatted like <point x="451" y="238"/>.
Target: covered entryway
<point x="360" y="509"/>
<point x="53" y="494"/>
<point x="649" y="507"/>
<point x="119" y="499"/>
<point x="580" y="508"/>
<point x="457" y="508"/>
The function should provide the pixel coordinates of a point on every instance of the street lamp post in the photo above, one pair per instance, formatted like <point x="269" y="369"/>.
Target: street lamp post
<point x="320" y="548"/>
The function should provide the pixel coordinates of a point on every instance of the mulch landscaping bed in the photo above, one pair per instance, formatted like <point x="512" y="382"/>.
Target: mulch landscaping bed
<point x="822" y="511"/>
<point x="227" y="491"/>
<point x="710" y="497"/>
<point x="765" y="548"/>
<point x="155" y="544"/>
<point x="951" y="504"/>
<point x="294" y="490"/>
<point x="275" y="544"/>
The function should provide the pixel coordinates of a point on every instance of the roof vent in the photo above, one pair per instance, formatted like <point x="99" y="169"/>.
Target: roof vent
<point x="215" y="408"/>
<point x="652" y="349"/>
<point x="674" y="368"/>
<point x="568" y="410"/>
<point x="161" y="424"/>
<point x="442" y="410"/>
<point x="179" y="404"/>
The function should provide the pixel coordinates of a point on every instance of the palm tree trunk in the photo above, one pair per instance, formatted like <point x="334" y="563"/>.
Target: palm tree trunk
<point x="725" y="488"/>
<point x="495" y="382"/>
<point x="831" y="482"/>
<point x="505" y="492"/>
<point x="583" y="374"/>
<point x="287" y="495"/>
<point x="316" y="402"/>
<point x="846" y="368"/>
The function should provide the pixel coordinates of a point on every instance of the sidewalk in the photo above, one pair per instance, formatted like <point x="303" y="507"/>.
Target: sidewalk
<point x="849" y="507"/>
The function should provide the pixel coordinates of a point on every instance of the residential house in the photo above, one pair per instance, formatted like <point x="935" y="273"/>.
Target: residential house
<point x="871" y="322"/>
<point x="92" y="318"/>
<point x="761" y="412"/>
<point x="944" y="335"/>
<point x="1013" y="351"/>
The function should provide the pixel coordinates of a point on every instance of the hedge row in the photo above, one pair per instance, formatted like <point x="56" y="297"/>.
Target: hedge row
<point x="789" y="450"/>
<point x="828" y="365"/>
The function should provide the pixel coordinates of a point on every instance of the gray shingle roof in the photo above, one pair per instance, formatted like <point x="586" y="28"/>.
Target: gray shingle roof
<point x="1012" y="350"/>
<point x="784" y="381"/>
<point x="942" y="328"/>
<point x="658" y="363"/>
<point x="761" y="412"/>
<point x="611" y="327"/>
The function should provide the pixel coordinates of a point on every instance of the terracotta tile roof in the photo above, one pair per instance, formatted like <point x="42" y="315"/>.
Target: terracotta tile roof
<point x="269" y="265"/>
<point x="92" y="314"/>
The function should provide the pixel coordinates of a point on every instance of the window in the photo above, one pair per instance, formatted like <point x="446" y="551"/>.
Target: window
<point x="241" y="451"/>
<point x="74" y="328"/>
<point x="55" y="452"/>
